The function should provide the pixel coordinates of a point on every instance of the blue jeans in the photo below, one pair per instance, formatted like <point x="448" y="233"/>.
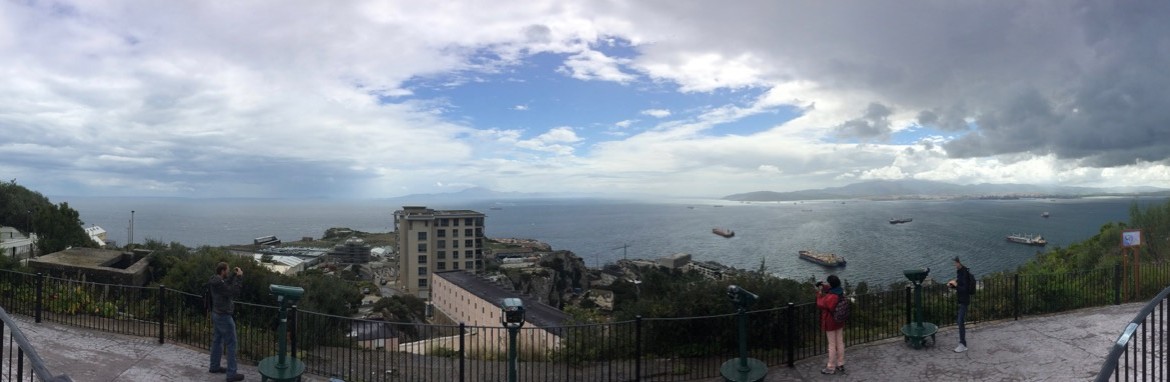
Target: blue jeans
<point x="225" y="335"/>
<point x="962" y="328"/>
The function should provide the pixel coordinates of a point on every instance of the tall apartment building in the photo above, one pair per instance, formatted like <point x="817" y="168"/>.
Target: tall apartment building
<point x="436" y="240"/>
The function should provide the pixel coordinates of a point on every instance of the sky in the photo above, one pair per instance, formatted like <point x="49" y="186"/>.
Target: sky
<point x="374" y="99"/>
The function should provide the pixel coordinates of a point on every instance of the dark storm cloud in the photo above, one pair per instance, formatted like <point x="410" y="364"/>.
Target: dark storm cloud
<point x="1116" y="113"/>
<point x="1084" y="80"/>
<point x="873" y="125"/>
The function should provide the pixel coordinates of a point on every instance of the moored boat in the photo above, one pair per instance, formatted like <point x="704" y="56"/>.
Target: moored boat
<point x="723" y="232"/>
<point x="1027" y="239"/>
<point x="825" y="259"/>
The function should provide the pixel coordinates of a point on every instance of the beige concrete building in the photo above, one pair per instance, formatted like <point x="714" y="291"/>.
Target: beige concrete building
<point x="433" y="241"/>
<point x="475" y="301"/>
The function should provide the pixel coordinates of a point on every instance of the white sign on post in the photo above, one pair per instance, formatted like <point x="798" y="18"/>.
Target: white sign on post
<point x="1131" y="238"/>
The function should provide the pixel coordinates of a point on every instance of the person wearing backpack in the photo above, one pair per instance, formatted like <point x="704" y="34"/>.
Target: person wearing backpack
<point x="964" y="286"/>
<point x="829" y="298"/>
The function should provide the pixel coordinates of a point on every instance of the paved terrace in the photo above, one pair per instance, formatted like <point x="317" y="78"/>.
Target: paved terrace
<point x="1061" y="347"/>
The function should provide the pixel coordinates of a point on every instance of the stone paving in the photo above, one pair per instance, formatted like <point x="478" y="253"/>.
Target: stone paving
<point x="1063" y="347"/>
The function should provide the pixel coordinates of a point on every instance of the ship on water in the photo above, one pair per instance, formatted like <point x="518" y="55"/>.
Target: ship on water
<point x="1027" y="239"/>
<point x="900" y="221"/>
<point x="723" y="232"/>
<point x="825" y="259"/>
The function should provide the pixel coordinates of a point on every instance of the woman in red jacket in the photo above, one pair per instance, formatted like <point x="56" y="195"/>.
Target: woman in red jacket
<point x="827" y="297"/>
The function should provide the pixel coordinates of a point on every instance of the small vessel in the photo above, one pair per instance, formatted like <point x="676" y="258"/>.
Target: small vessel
<point x="495" y="208"/>
<point x="825" y="259"/>
<point x="1044" y="215"/>
<point x="900" y="221"/>
<point x="723" y="232"/>
<point x="1027" y="239"/>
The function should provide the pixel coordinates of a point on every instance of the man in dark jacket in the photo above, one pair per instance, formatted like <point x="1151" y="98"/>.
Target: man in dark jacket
<point x="224" y="287"/>
<point x="963" y="288"/>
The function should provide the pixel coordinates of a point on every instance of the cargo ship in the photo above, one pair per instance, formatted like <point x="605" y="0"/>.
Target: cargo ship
<point x="1027" y="239"/>
<point x="900" y="221"/>
<point x="825" y="259"/>
<point x="723" y="232"/>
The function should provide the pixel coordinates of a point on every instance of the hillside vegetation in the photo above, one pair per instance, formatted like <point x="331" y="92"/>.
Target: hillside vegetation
<point x="57" y="225"/>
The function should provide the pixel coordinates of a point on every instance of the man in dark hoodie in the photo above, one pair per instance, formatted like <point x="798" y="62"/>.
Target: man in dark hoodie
<point x="224" y="287"/>
<point x="963" y="288"/>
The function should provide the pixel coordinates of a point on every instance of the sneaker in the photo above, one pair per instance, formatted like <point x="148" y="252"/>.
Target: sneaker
<point x="217" y="370"/>
<point x="828" y="370"/>
<point x="235" y="378"/>
<point x="841" y="369"/>
<point x="961" y="348"/>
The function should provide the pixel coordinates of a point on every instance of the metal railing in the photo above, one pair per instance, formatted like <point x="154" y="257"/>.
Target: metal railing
<point x="662" y="349"/>
<point x="28" y="365"/>
<point x="1140" y="350"/>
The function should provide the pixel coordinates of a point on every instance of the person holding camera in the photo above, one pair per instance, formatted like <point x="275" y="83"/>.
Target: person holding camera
<point x="827" y="296"/>
<point x="224" y="287"/>
<point x="963" y="288"/>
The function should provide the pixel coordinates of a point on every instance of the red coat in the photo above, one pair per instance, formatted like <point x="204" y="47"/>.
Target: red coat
<point x="826" y="303"/>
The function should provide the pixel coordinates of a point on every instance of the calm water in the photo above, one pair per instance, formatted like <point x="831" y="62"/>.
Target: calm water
<point x="597" y="230"/>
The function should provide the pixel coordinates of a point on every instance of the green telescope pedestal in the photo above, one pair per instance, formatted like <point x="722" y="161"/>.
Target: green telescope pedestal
<point x="916" y="331"/>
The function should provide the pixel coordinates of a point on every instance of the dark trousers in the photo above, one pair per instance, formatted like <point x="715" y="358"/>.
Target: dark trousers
<point x="962" y="321"/>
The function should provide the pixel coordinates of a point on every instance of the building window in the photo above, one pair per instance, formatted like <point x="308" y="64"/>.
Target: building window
<point x="467" y="254"/>
<point x="422" y="235"/>
<point x="441" y="233"/>
<point x="454" y="254"/>
<point x="422" y="259"/>
<point x="467" y="221"/>
<point x="422" y="283"/>
<point x="469" y="265"/>
<point x="422" y="247"/>
<point x="442" y="244"/>
<point x="441" y="266"/>
<point x="454" y="265"/>
<point x="454" y="243"/>
<point x="454" y="233"/>
<point x="422" y="271"/>
<point x="467" y="232"/>
<point x="468" y="243"/>
<point x="454" y="222"/>
<point x="441" y="254"/>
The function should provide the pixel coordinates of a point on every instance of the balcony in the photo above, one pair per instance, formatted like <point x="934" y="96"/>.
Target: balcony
<point x="156" y="333"/>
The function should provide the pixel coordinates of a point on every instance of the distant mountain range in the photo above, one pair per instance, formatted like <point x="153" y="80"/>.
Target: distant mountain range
<point x="925" y="189"/>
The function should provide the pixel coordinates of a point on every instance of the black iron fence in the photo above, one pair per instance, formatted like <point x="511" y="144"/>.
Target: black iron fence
<point x="1140" y="352"/>
<point x="662" y="349"/>
<point x="18" y="359"/>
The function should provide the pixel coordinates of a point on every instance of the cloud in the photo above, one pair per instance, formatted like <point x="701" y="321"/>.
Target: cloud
<point x="657" y="113"/>
<point x="557" y="140"/>
<point x="593" y="65"/>
<point x="256" y="99"/>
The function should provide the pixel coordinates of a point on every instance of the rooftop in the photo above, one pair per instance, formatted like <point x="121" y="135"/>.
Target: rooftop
<point x="536" y="312"/>
<point x="1062" y="347"/>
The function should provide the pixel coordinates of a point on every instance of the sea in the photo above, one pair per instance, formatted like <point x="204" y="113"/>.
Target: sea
<point x="603" y="231"/>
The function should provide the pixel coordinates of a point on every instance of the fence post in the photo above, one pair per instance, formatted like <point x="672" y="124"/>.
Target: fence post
<point x="40" y="296"/>
<point x="638" y="348"/>
<point x="1016" y="296"/>
<point x="292" y="329"/>
<point x="909" y="306"/>
<point x="1116" y="284"/>
<point x="790" y="346"/>
<point x="462" y="354"/>
<point x="162" y="301"/>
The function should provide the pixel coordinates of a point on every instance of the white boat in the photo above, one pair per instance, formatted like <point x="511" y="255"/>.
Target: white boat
<point x="1027" y="239"/>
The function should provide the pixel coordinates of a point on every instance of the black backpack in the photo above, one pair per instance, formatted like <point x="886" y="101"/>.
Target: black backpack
<point x="841" y="310"/>
<point x="971" y="282"/>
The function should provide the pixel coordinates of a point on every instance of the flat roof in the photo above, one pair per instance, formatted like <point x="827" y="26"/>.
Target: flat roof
<point x="536" y="312"/>
<point x="80" y="257"/>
